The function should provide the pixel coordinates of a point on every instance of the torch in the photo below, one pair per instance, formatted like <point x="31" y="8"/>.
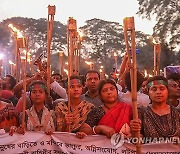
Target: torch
<point x="157" y="54"/>
<point x="91" y="65"/>
<point x="51" y="13"/>
<point x="61" y="62"/>
<point x="129" y="28"/>
<point x="17" y="35"/>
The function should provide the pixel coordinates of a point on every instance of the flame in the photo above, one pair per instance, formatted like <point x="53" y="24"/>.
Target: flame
<point x="156" y="40"/>
<point x="19" y="34"/>
<point x="117" y="75"/>
<point x="81" y="34"/>
<point x="115" y="54"/>
<point x="89" y="63"/>
<point x="101" y="67"/>
<point x="107" y="76"/>
<point x="23" y="54"/>
<point x="100" y="70"/>
<point x="66" y="71"/>
<point x="150" y="75"/>
<point x="60" y="53"/>
<point x="145" y="73"/>
<point x="11" y="63"/>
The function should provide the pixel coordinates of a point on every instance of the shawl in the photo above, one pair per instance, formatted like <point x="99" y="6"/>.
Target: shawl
<point x="117" y="116"/>
<point x="79" y="113"/>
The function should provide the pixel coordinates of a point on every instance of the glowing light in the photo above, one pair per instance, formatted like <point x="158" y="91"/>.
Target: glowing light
<point x="89" y="63"/>
<point x="1" y="55"/>
<point x="156" y="40"/>
<point x="11" y="63"/>
<point x="107" y="76"/>
<point x="115" y="54"/>
<point x="145" y="73"/>
<point x="23" y="54"/>
<point x="14" y="29"/>
<point x="60" y="53"/>
<point x="66" y="71"/>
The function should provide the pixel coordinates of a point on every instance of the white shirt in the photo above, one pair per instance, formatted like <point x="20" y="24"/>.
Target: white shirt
<point x="142" y="99"/>
<point x="58" y="89"/>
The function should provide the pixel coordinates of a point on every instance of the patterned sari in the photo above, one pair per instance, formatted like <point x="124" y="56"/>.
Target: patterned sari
<point x="8" y="117"/>
<point x="154" y="125"/>
<point x="79" y="114"/>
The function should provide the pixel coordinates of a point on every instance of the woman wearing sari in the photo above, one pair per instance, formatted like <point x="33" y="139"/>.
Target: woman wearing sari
<point x="113" y="116"/>
<point x="8" y="116"/>
<point x="78" y="109"/>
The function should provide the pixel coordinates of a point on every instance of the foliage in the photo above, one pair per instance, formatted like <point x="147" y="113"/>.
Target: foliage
<point x="167" y="17"/>
<point x="101" y="39"/>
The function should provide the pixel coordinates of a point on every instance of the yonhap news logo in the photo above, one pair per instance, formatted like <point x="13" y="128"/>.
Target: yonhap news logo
<point x="118" y="139"/>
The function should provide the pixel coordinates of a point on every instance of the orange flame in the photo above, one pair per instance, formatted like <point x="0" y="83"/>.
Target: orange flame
<point x="14" y="29"/>
<point x="87" y="62"/>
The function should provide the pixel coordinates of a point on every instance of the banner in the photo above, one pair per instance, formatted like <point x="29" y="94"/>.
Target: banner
<point x="171" y="69"/>
<point x="67" y="143"/>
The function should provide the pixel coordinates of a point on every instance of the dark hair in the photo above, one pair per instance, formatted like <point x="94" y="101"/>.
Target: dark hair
<point x="12" y="81"/>
<point x="173" y="76"/>
<point x="140" y="80"/>
<point x="158" y="77"/>
<point x="71" y="78"/>
<point x="103" y="82"/>
<point x="38" y="82"/>
<point x="92" y="71"/>
<point x="57" y="74"/>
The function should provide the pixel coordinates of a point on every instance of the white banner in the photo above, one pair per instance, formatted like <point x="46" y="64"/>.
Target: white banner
<point x="67" y="143"/>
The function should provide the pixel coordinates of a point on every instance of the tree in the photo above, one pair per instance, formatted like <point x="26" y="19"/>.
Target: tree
<point x="167" y="16"/>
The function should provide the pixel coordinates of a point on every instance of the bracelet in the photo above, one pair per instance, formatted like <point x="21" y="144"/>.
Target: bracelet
<point x="93" y="129"/>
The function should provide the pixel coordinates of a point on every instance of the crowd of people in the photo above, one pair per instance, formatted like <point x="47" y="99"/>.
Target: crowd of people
<point x="95" y="106"/>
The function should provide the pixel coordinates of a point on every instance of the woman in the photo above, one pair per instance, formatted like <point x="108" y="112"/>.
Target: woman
<point x="159" y="119"/>
<point x="74" y="119"/>
<point x="8" y="116"/>
<point x="113" y="116"/>
<point x="38" y="117"/>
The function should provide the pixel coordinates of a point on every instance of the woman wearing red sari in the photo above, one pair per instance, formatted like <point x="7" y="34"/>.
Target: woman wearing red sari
<point x="113" y="116"/>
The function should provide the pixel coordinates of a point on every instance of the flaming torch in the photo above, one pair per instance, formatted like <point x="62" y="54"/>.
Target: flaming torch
<point x="91" y="65"/>
<point x="157" y="54"/>
<point x="17" y="35"/>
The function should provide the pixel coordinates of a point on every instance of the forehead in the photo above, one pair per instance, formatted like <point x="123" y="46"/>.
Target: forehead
<point x="75" y="82"/>
<point x="107" y="85"/>
<point x="92" y="75"/>
<point x="37" y="87"/>
<point x="170" y="82"/>
<point x="158" y="86"/>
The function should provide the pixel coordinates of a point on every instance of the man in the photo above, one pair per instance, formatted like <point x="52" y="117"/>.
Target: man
<point x="91" y="82"/>
<point x="174" y="90"/>
<point x="9" y="82"/>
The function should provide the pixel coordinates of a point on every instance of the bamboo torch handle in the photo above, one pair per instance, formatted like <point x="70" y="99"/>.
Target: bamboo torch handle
<point x="129" y="27"/>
